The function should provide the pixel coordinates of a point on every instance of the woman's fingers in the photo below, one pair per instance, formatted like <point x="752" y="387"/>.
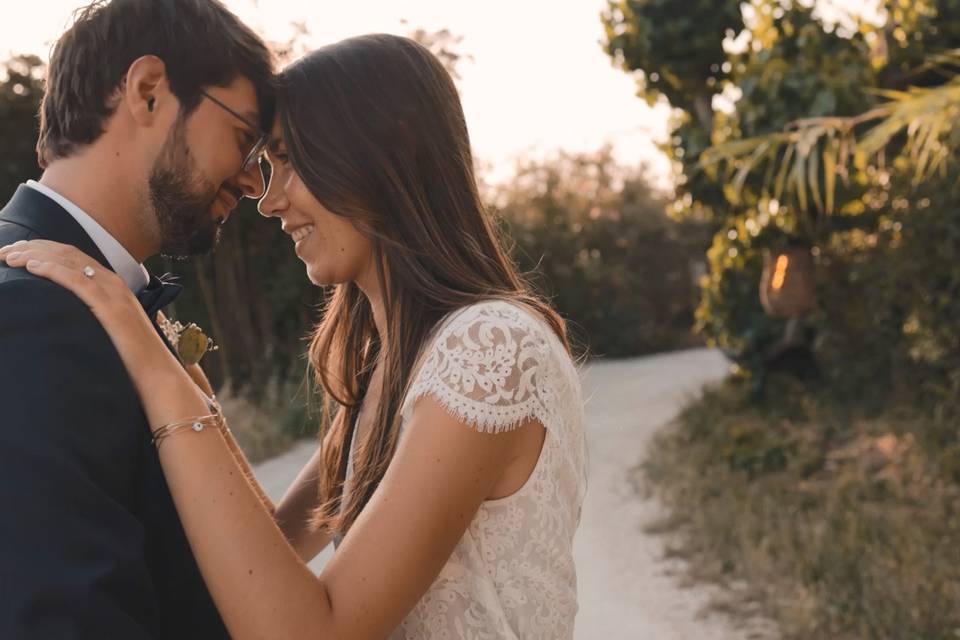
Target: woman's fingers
<point x="101" y="290"/>
<point x="11" y="247"/>
<point x="46" y="251"/>
<point x="65" y="252"/>
<point x="49" y="245"/>
<point x="20" y="257"/>
<point x="70" y="268"/>
<point x="69" y="278"/>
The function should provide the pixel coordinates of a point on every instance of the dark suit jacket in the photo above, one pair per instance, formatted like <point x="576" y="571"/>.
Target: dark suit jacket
<point x="90" y="543"/>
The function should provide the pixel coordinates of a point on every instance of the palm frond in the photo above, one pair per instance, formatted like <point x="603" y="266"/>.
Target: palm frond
<point x="813" y="148"/>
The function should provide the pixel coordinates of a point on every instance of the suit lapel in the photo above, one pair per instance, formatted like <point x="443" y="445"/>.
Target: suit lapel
<point x="49" y="221"/>
<point x="33" y="210"/>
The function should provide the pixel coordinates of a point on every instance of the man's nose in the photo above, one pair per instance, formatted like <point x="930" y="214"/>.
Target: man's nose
<point x="251" y="182"/>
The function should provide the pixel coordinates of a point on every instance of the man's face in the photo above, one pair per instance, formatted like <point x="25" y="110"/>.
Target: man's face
<point x="197" y="178"/>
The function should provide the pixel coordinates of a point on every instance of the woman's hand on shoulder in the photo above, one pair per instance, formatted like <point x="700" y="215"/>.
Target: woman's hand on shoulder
<point x="103" y="291"/>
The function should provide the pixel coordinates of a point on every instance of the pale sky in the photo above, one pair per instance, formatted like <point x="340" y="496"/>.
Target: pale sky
<point x="538" y="80"/>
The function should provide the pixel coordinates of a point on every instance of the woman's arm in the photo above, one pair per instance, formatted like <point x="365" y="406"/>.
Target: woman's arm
<point x="296" y="509"/>
<point x="439" y="476"/>
<point x="261" y="587"/>
<point x="244" y="465"/>
<point x="200" y="379"/>
<point x="442" y="471"/>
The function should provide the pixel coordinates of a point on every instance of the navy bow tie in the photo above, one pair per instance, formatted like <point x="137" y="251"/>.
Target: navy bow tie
<point x="157" y="294"/>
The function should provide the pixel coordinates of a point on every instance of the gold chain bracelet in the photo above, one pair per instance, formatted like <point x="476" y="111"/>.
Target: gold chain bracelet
<point x="196" y="424"/>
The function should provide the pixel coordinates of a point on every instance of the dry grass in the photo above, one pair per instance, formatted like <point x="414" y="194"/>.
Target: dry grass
<point x="836" y="526"/>
<point x="272" y="424"/>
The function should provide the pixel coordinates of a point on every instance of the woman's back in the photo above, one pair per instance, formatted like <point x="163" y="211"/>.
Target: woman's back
<point x="494" y="365"/>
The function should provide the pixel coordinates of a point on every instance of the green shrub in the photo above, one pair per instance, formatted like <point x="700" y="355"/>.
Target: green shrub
<point x="598" y="241"/>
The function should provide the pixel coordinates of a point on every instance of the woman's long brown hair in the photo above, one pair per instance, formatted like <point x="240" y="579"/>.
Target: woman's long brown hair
<point x="374" y="127"/>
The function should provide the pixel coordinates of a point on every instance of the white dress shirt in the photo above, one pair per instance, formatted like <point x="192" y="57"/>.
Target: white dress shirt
<point x="132" y="272"/>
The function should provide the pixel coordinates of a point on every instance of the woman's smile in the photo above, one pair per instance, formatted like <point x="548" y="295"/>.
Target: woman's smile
<point x="301" y="233"/>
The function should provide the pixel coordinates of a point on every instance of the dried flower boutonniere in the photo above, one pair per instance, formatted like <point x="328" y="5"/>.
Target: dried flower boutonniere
<point x="189" y="341"/>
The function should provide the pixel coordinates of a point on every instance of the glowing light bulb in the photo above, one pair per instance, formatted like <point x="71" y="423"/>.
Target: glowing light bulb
<point x="780" y="272"/>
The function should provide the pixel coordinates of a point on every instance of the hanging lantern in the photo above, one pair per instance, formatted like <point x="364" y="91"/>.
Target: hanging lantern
<point x="787" y="286"/>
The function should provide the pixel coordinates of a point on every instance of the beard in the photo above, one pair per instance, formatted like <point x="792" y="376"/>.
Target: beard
<point x="181" y="199"/>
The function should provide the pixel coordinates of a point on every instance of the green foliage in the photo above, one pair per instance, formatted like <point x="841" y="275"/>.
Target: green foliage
<point x="842" y="521"/>
<point x="886" y="290"/>
<point x="909" y="282"/>
<point x="602" y="247"/>
<point x="730" y="315"/>
<point x="675" y="45"/>
<point x="802" y="156"/>
<point x="914" y="29"/>
<point x="675" y="50"/>
<point x="791" y="66"/>
<point x="834" y="497"/>
<point x="795" y="68"/>
<point x="20" y="93"/>
<point x="923" y="117"/>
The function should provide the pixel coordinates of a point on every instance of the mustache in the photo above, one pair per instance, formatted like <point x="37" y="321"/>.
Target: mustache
<point x="234" y="191"/>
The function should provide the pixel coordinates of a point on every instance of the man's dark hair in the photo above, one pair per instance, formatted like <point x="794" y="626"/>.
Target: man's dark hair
<point x="201" y="43"/>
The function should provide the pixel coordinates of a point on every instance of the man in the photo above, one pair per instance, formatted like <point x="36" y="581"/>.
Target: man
<point x="150" y="133"/>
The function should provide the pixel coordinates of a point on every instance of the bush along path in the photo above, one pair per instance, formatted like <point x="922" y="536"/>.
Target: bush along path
<point x="842" y="520"/>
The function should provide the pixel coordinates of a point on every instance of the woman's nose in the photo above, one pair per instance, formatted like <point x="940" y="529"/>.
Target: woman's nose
<point x="273" y="202"/>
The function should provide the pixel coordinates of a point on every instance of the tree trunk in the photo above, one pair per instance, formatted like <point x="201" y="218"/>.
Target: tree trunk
<point x="209" y="301"/>
<point x="703" y="111"/>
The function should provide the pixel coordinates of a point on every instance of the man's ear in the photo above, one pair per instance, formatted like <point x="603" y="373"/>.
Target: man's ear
<point x="147" y="92"/>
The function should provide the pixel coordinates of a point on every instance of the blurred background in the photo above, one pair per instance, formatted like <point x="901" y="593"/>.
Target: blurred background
<point x="774" y="179"/>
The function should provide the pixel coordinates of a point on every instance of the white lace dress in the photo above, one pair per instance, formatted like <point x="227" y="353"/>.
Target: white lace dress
<point x="493" y="365"/>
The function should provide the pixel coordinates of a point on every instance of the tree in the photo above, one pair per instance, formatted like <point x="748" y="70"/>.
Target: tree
<point x="596" y="239"/>
<point x="675" y="50"/>
<point x="677" y="54"/>
<point x="21" y="89"/>
<point x="824" y="128"/>
<point x="445" y="45"/>
<point x="789" y="66"/>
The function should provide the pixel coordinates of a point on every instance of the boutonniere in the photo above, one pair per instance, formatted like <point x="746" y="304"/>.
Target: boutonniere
<point x="189" y="341"/>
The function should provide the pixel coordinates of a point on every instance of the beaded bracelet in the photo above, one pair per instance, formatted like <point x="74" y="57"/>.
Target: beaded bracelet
<point x="196" y="424"/>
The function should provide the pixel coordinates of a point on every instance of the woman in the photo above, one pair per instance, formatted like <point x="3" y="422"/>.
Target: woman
<point x="453" y="469"/>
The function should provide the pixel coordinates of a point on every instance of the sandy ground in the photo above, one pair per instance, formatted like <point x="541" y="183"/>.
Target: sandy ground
<point x="627" y="590"/>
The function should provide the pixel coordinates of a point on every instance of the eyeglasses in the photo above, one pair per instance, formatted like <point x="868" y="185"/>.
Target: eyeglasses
<point x="252" y="158"/>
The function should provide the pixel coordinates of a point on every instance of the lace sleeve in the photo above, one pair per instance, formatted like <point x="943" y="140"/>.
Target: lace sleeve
<point x="488" y="366"/>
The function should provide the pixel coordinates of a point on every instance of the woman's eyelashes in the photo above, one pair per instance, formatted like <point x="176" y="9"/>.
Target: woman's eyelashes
<point x="275" y="158"/>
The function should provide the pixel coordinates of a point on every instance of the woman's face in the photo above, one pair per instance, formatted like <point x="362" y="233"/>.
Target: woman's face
<point x="329" y="245"/>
